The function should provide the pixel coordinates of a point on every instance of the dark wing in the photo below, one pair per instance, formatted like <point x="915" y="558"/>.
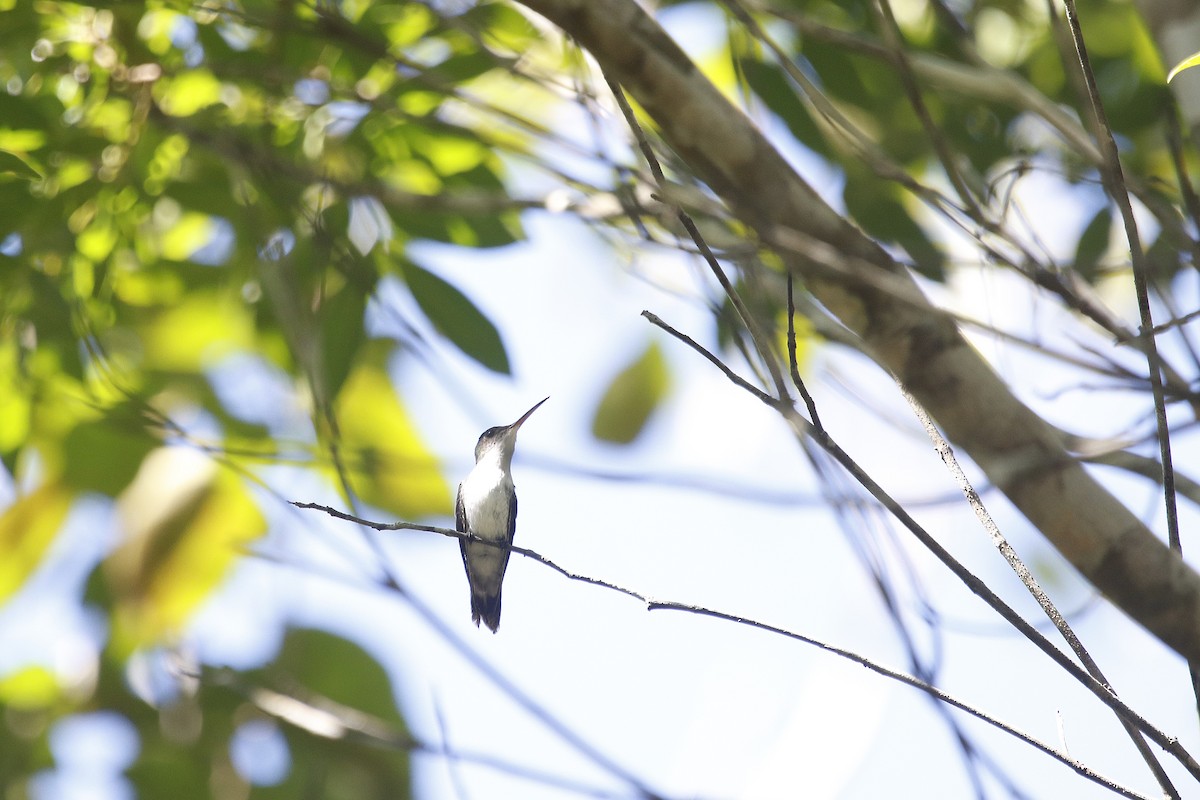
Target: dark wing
<point x="512" y="520"/>
<point x="460" y="524"/>
<point x="460" y="512"/>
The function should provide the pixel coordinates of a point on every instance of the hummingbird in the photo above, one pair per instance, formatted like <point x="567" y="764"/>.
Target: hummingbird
<point x="487" y="508"/>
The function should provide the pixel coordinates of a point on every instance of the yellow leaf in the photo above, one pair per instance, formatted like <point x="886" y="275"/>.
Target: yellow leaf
<point x="718" y="68"/>
<point x="22" y="140"/>
<point x="15" y="405"/>
<point x="30" y="688"/>
<point x="632" y="397"/>
<point x="97" y="240"/>
<point x="27" y="528"/>
<point x="1189" y="62"/>
<point x="390" y="467"/>
<point x="404" y="24"/>
<point x="193" y="334"/>
<point x="186" y="522"/>
<point x="155" y="28"/>
<point x="188" y="93"/>
<point x="806" y="339"/>
<point x="451" y="155"/>
<point x="189" y="233"/>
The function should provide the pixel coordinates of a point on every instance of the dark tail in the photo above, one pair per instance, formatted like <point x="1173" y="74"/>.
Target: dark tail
<point x="487" y="609"/>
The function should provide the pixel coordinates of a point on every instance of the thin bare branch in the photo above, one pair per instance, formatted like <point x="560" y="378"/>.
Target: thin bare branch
<point x="760" y="339"/>
<point x="453" y="534"/>
<point x="803" y="428"/>
<point x="1060" y="756"/>
<point x="653" y="604"/>
<point x="1114" y="182"/>
<point x="946" y="453"/>
<point x="794" y="362"/>
<point x="325" y="718"/>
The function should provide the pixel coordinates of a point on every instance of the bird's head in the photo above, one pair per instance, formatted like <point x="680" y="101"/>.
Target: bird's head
<point x="503" y="437"/>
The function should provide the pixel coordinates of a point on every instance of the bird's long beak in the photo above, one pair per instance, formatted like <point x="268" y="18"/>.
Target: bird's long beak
<point x="525" y="416"/>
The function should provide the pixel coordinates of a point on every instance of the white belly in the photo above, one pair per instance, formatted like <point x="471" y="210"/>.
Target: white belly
<point x="486" y="499"/>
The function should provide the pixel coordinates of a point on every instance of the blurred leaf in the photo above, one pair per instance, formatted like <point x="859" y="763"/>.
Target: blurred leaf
<point x="182" y="738"/>
<point x="403" y="24"/>
<point x="187" y="522"/>
<point x="491" y="230"/>
<point x="449" y="152"/>
<point x="186" y="94"/>
<point x="189" y="233"/>
<point x="369" y="224"/>
<point x="774" y="88"/>
<point x="51" y="315"/>
<point x="457" y="318"/>
<point x="14" y="165"/>
<point x="1093" y="244"/>
<point x="837" y="69"/>
<point x="343" y="332"/>
<point x="320" y="678"/>
<point x="1165" y="259"/>
<point x="21" y="141"/>
<point x="807" y="340"/>
<point x="339" y="669"/>
<point x="96" y="241"/>
<point x="16" y="405"/>
<point x="25" y="111"/>
<point x="105" y="455"/>
<point x="197" y="331"/>
<point x="463" y="67"/>
<point x="632" y="397"/>
<point x="482" y="230"/>
<point x="502" y="24"/>
<point x="763" y="306"/>
<point x="389" y="465"/>
<point x="884" y="216"/>
<point x="30" y="687"/>
<point x="27" y="527"/>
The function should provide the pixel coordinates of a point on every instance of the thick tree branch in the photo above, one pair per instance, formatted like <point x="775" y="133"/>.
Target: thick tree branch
<point x="1020" y="452"/>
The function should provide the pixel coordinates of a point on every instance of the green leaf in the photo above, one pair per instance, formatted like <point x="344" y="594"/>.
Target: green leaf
<point x="1189" y="62"/>
<point x="12" y="164"/>
<point x="319" y="670"/>
<point x="1093" y="243"/>
<point x="104" y="455"/>
<point x="632" y="397"/>
<point x="774" y="89"/>
<point x="342" y="334"/>
<point x="501" y="24"/>
<point x="462" y="68"/>
<point x="457" y="318"/>
<point x="883" y="216"/>
<point x="51" y="313"/>
<point x="16" y="403"/>
<point x="339" y="669"/>
<point x="838" y="70"/>
<point x="1165" y="259"/>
